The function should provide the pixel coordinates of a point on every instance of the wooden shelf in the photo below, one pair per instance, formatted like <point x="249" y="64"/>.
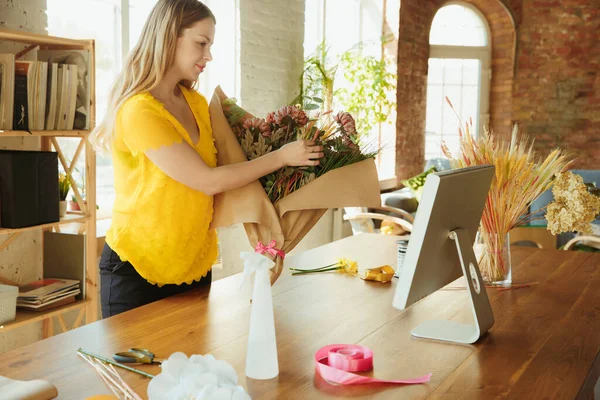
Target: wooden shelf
<point x="25" y="317"/>
<point x="43" y="40"/>
<point x="69" y="218"/>
<point x="72" y="133"/>
<point x="88" y="308"/>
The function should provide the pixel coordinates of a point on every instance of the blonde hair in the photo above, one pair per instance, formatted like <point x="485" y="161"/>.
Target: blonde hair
<point x="149" y="60"/>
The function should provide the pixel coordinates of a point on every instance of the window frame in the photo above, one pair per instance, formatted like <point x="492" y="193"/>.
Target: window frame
<point x="388" y="182"/>
<point x="481" y="53"/>
<point x="123" y="45"/>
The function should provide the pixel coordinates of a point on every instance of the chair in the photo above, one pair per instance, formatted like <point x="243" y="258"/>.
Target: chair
<point x="397" y="215"/>
<point x="372" y="220"/>
<point x="584" y="238"/>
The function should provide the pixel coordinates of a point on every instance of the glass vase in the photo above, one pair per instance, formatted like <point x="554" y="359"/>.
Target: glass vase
<point x="493" y="256"/>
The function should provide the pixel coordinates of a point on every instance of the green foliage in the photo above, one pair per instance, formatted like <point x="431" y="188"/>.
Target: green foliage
<point x="370" y="81"/>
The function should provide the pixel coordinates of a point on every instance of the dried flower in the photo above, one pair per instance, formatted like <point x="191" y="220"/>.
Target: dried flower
<point x="574" y="206"/>
<point x="346" y="122"/>
<point x="520" y="177"/>
<point x="258" y="125"/>
<point x="287" y="114"/>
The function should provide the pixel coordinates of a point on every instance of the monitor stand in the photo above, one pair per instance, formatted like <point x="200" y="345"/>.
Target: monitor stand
<point x="451" y="331"/>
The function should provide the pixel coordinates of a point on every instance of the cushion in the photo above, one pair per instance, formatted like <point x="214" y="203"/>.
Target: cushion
<point x="402" y="198"/>
<point x="417" y="182"/>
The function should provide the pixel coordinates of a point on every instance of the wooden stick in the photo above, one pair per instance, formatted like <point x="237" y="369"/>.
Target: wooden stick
<point x="79" y="318"/>
<point x="76" y="155"/>
<point x="116" y="364"/>
<point x="25" y="51"/>
<point x="47" y="327"/>
<point x="63" y="161"/>
<point x="8" y="241"/>
<point x="5" y="281"/>
<point x="62" y="324"/>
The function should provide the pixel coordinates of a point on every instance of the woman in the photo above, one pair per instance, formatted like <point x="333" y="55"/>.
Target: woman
<point x="158" y="130"/>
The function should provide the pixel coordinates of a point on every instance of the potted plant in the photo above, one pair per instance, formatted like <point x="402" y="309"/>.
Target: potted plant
<point x="64" y="185"/>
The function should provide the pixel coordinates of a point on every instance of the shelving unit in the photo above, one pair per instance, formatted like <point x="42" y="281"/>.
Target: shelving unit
<point x="89" y="305"/>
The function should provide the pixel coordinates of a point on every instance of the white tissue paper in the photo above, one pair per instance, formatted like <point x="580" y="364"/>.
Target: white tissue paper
<point x="261" y="354"/>
<point x="197" y="378"/>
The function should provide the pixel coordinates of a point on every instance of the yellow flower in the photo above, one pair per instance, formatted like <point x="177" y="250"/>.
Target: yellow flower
<point x="342" y="265"/>
<point x="348" y="266"/>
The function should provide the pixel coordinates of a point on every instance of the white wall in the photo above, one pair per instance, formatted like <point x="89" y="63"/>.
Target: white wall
<point x="271" y="52"/>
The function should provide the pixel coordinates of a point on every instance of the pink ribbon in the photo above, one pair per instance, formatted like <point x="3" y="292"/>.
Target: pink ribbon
<point x="262" y="249"/>
<point x="335" y="363"/>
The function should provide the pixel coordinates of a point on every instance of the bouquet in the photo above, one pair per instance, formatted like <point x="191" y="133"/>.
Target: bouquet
<point x="281" y="208"/>
<point x="259" y="136"/>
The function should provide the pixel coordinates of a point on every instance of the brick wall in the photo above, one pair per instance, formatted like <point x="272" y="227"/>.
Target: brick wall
<point x="271" y="52"/>
<point x="557" y="82"/>
<point x="413" y="55"/>
<point x="545" y="63"/>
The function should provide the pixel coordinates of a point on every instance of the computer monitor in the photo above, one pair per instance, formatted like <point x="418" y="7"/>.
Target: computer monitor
<point x="440" y="250"/>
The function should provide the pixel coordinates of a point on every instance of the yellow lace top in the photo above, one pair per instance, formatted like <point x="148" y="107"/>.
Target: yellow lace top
<point x="161" y="226"/>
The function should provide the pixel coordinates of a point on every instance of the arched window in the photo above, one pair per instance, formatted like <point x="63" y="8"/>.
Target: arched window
<point x="459" y="68"/>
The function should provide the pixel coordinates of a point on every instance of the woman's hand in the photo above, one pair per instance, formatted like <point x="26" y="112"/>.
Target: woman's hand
<point x="300" y="153"/>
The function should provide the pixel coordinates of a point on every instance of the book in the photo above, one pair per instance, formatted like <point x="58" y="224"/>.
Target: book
<point x="8" y="90"/>
<point x="77" y="113"/>
<point x="21" y="96"/>
<point x="51" y="96"/>
<point x="46" y="287"/>
<point x="61" y="301"/>
<point x="47" y="293"/>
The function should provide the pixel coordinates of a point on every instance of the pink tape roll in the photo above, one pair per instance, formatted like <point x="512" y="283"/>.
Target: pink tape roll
<point x="336" y="362"/>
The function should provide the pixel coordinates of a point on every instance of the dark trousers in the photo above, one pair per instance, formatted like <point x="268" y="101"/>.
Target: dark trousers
<point x="123" y="289"/>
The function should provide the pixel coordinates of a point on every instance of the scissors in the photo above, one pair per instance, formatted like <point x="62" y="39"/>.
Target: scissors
<point x="136" y="356"/>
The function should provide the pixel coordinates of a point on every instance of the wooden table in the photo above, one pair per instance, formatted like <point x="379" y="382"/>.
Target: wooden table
<point x="544" y="344"/>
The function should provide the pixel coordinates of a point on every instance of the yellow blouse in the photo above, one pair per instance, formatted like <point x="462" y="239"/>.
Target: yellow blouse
<point x="161" y="226"/>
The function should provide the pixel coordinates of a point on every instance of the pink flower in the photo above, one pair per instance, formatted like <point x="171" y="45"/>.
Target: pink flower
<point x="271" y="117"/>
<point x="282" y="116"/>
<point x="346" y="122"/>
<point x="258" y="124"/>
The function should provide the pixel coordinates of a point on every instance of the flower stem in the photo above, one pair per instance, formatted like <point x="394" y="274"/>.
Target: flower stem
<point x="308" y="271"/>
<point x="314" y="269"/>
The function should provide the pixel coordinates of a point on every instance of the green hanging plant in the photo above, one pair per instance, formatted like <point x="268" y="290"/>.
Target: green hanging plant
<point x="370" y="81"/>
<point x="316" y="81"/>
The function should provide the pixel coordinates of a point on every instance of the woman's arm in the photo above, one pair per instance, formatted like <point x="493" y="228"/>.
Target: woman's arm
<point x="182" y="163"/>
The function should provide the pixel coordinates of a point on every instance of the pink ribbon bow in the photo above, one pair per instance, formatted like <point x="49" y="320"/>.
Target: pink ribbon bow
<point x="262" y="249"/>
<point x="335" y="363"/>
